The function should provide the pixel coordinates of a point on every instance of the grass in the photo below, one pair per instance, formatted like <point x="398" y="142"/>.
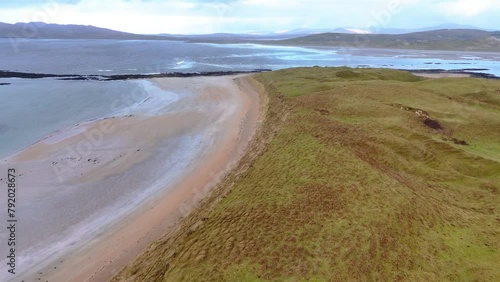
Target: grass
<point x="342" y="185"/>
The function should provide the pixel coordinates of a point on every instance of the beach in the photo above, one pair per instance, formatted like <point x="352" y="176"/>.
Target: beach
<point x="347" y="180"/>
<point x="94" y="195"/>
<point x="441" y="74"/>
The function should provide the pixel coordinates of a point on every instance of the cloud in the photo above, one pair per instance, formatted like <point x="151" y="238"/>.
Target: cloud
<point x="207" y="16"/>
<point x="31" y="3"/>
<point x="467" y="8"/>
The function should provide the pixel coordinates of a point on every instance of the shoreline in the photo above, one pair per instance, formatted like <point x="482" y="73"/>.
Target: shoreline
<point x="460" y="73"/>
<point x="119" y="243"/>
<point x="115" y="77"/>
<point x="471" y="72"/>
<point x="276" y="206"/>
<point x="440" y="74"/>
<point x="273" y="114"/>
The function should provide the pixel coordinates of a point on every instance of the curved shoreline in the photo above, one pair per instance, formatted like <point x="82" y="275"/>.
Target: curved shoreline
<point x="115" y="77"/>
<point x="291" y="215"/>
<point x="150" y="223"/>
<point x="98" y="258"/>
<point x="472" y="72"/>
<point x="273" y="114"/>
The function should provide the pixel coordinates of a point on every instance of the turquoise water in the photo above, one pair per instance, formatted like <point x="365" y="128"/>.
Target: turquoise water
<point x="142" y="57"/>
<point x="32" y="109"/>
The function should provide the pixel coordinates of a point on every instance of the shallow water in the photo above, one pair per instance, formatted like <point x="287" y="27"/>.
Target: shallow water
<point x="61" y="210"/>
<point x="144" y="57"/>
<point x="32" y="109"/>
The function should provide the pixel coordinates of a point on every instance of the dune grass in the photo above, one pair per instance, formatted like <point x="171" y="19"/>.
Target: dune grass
<point x="353" y="186"/>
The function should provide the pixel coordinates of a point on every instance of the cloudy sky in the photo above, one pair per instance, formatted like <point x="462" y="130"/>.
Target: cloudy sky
<point x="210" y="16"/>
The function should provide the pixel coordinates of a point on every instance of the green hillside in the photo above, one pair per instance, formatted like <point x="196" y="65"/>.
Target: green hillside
<point x="356" y="175"/>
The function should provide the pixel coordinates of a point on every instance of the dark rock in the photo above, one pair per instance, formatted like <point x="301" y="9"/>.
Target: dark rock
<point x="323" y="111"/>
<point x="459" y="142"/>
<point x="10" y="74"/>
<point x="434" y="124"/>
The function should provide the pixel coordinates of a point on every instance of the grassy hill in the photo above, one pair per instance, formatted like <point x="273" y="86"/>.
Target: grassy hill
<point x="37" y="30"/>
<point x="356" y="175"/>
<point x="457" y="39"/>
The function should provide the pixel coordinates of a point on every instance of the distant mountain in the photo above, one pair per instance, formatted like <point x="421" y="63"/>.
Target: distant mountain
<point x="454" y="37"/>
<point x="354" y="30"/>
<point x="288" y="34"/>
<point x="309" y="31"/>
<point x="234" y="36"/>
<point x="454" y="26"/>
<point x="301" y="32"/>
<point x="438" y="27"/>
<point x="446" y="39"/>
<point x="37" y="30"/>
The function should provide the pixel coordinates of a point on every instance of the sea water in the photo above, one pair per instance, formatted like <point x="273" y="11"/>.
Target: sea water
<point x="32" y="109"/>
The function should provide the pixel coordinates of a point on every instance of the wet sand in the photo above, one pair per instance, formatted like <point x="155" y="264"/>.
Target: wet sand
<point x="441" y="75"/>
<point x="92" y="197"/>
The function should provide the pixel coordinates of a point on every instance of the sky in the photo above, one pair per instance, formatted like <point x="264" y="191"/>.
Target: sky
<point x="243" y="16"/>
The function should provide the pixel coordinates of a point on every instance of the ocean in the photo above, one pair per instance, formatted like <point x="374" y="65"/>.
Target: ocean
<point x="32" y="109"/>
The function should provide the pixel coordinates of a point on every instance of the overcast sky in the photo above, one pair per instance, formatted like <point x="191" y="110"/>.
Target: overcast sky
<point x="210" y="16"/>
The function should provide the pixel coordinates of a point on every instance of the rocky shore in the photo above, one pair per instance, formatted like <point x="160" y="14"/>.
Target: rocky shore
<point x="11" y="74"/>
<point x="478" y="73"/>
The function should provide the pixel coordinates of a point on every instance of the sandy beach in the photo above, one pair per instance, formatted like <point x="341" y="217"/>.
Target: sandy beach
<point x="441" y="75"/>
<point x="93" y="196"/>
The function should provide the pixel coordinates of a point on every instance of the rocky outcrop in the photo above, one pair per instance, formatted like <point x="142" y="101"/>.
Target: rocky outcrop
<point x="10" y="74"/>
<point x="418" y="112"/>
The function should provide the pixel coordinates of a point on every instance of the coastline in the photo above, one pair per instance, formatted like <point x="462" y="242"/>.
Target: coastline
<point x="244" y="228"/>
<point x="272" y="116"/>
<point x="115" y="77"/>
<point x="139" y="141"/>
<point x="464" y="72"/>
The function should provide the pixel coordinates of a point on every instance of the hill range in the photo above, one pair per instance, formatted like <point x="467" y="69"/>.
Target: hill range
<point x="443" y="39"/>
<point x="39" y="30"/>
<point x="447" y="39"/>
